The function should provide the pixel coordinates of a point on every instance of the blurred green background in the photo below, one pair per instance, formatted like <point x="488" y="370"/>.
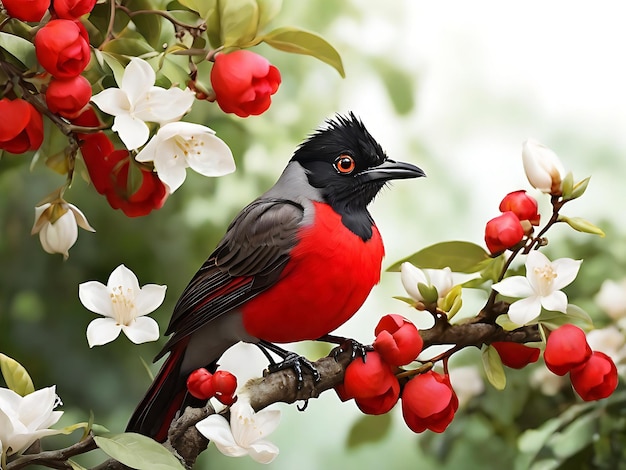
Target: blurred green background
<point x="454" y="87"/>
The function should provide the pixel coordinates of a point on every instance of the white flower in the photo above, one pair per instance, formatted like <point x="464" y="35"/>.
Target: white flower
<point x="23" y="420"/>
<point x="246" y="433"/>
<point x="57" y="224"/>
<point x="612" y="298"/>
<point x="138" y="101"/>
<point x="179" y="145"/>
<point x="124" y="305"/>
<point x="541" y="286"/>
<point x="411" y="276"/>
<point x="543" y="168"/>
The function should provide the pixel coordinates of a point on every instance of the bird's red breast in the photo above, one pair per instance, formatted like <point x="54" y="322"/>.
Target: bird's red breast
<point x="329" y="275"/>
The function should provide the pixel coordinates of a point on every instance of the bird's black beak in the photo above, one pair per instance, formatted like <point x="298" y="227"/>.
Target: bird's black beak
<point x="391" y="170"/>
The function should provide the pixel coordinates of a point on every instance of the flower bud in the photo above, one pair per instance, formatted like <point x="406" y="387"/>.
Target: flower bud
<point x="200" y="384"/>
<point x="372" y="384"/>
<point x="596" y="378"/>
<point x="439" y="279"/>
<point x="503" y="232"/>
<point x="26" y="11"/>
<point x="57" y="224"/>
<point x="73" y="9"/>
<point x="397" y="340"/>
<point x="522" y="205"/>
<point x="543" y="168"/>
<point x="62" y="48"/>
<point x="21" y="126"/>
<point x="68" y="97"/>
<point x="566" y="348"/>
<point x="515" y="355"/>
<point x="243" y="82"/>
<point x="429" y="402"/>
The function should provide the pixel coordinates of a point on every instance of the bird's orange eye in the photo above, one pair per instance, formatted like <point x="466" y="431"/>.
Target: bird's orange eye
<point x="344" y="164"/>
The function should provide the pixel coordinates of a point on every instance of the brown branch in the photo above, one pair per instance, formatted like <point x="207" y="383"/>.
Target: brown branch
<point x="187" y="443"/>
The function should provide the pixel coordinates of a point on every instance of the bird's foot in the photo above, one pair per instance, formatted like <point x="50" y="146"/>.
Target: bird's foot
<point x="297" y="363"/>
<point x="347" y="344"/>
<point x="290" y="360"/>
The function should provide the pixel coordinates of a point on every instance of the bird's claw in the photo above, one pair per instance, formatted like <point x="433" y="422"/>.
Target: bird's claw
<point x="297" y="363"/>
<point x="355" y="348"/>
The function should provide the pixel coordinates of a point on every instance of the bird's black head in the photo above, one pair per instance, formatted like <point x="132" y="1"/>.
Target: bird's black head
<point x="348" y="167"/>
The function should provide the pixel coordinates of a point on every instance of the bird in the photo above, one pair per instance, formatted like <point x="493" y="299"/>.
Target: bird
<point x="293" y="265"/>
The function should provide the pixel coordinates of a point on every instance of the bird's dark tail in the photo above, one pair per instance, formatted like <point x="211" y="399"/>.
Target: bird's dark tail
<point x="166" y="396"/>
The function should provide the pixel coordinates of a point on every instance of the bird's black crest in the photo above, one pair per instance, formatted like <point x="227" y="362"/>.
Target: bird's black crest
<point x="343" y="134"/>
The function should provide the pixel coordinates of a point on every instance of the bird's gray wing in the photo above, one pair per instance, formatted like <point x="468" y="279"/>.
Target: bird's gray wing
<point x="247" y="261"/>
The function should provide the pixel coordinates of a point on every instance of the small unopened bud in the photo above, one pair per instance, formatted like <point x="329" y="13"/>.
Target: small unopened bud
<point x="543" y="168"/>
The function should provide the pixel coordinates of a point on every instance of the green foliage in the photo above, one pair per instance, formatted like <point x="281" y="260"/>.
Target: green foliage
<point x="138" y="451"/>
<point x="369" y="429"/>
<point x="493" y="367"/>
<point x="304" y="42"/>
<point x="459" y="256"/>
<point x="15" y="376"/>
<point x="20" y="48"/>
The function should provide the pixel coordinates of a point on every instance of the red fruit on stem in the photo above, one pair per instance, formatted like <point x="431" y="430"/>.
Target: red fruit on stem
<point x="243" y="82"/>
<point x="21" y="126"/>
<point x="429" y="402"/>
<point x="200" y="384"/>
<point x="596" y="378"/>
<point x="566" y="348"/>
<point x="397" y="340"/>
<point x="503" y="232"/>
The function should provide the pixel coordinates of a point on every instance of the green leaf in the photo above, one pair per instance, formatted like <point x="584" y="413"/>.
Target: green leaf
<point x="573" y="314"/>
<point x="268" y="9"/>
<point x="460" y="257"/>
<point x="239" y="21"/>
<point x="75" y="465"/>
<point x="451" y="298"/>
<point x="113" y="61"/>
<point x="20" y="48"/>
<point x="131" y="47"/>
<point x="204" y="8"/>
<point x="579" y="188"/>
<point x="581" y="225"/>
<point x="407" y="300"/>
<point x="493" y="368"/>
<point x="428" y="293"/>
<point x="149" y="26"/>
<point x="137" y="451"/>
<point x="575" y="437"/>
<point x="15" y="376"/>
<point x="304" y="42"/>
<point x="369" y="429"/>
<point x="567" y="185"/>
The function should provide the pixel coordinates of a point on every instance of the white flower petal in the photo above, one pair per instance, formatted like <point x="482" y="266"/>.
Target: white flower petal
<point x="60" y="236"/>
<point x="102" y="331"/>
<point x="125" y="278"/>
<point x="411" y="276"/>
<point x="441" y="279"/>
<point x="81" y="220"/>
<point x="612" y="298"/>
<point x="149" y="298"/>
<point x="556" y="301"/>
<point x="567" y="270"/>
<point x="173" y="175"/>
<point x="216" y="429"/>
<point x="542" y="166"/>
<point x="164" y="105"/>
<point x="96" y="297"/>
<point x="216" y="159"/>
<point x="112" y="101"/>
<point x="142" y="330"/>
<point x="133" y="132"/>
<point x="138" y="78"/>
<point x="514" y="286"/>
<point x="263" y="451"/>
<point x="525" y="310"/>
